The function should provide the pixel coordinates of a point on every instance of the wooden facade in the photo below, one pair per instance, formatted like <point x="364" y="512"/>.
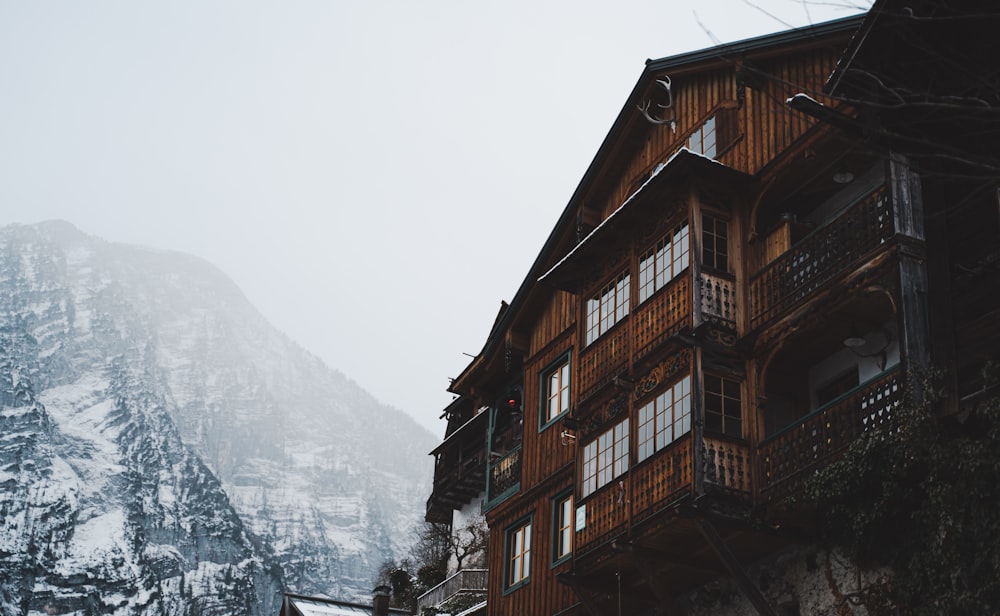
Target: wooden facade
<point x="734" y="293"/>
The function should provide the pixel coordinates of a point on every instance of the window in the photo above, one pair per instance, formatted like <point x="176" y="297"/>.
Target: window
<point x="722" y="406"/>
<point x="665" y="418"/>
<point x="562" y="545"/>
<point x="702" y="140"/>
<point x="715" y="243"/>
<point x="518" y="544"/>
<point x="605" y="458"/>
<point x="608" y="307"/>
<point x="663" y="262"/>
<point x="556" y="384"/>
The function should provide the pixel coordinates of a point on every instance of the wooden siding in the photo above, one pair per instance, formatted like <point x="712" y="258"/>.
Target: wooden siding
<point x="772" y="126"/>
<point x="554" y="320"/>
<point x="543" y="452"/>
<point x="542" y="594"/>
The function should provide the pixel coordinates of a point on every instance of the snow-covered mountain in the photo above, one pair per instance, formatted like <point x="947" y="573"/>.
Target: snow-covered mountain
<point x="164" y="450"/>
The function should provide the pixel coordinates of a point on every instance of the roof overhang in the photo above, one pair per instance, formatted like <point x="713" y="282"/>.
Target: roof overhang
<point x="669" y="180"/>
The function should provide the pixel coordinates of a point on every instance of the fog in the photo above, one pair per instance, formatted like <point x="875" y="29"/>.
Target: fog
<point x="376" y="176"/>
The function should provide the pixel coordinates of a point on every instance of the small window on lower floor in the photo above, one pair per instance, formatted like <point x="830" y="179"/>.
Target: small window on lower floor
<point x="562" y="519"/>
<point x="518" y="544"/>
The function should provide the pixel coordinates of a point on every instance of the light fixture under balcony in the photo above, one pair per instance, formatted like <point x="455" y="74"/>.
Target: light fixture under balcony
<point x="842" y="176"/>
<point x="854" y="342"/>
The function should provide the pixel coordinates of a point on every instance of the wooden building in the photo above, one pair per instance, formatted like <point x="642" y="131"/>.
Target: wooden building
<point x="737" y="289"/>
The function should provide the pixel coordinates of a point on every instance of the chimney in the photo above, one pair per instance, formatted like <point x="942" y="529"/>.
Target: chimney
<point x="380" y="601"/>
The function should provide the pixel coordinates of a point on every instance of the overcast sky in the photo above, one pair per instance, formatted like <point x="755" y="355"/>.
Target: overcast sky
<point x="375" y="175"/>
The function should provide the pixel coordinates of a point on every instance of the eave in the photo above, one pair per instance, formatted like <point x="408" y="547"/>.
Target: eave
<point x="680" y="169"/>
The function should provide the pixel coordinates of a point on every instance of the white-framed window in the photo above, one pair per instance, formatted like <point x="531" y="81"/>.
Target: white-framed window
<point x="518" y="544"/>
<point x="562" y="545"/>
<point x="703" y="140"/>
<point x="665" y="418"/>
<point x="608" y="306"/>
<point x="605" y="458"/>
<point x="556" y="383"/>
<point x="664" y="261"/>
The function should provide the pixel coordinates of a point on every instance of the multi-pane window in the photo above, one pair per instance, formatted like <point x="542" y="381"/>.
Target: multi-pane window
<point x="664" y="261"/>
<point x="518" y="554"/>
<point x="715" y="243"/>
<point x="605" y="458"/>
<point x="563" y="525"/>
<point x="702" y="140"/>
<point x="665" y="418"/>
<point x="723" y="414"/>
<point x="556" y="390"/>
<point x="610" y="305"/>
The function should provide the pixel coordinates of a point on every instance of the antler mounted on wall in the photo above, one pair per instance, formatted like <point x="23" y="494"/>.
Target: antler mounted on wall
<point x="663" y="99"/>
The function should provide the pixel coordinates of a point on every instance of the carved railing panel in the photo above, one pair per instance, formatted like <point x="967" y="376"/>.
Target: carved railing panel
<point x="727" y="466"/>
<point x="604" y="359"/>
<point x="821" y="256"/>
<point x="662" y="315"/>
<point x="790" y="456"/>
<point x="505" y="474"/>
<point x="717" y="295"/>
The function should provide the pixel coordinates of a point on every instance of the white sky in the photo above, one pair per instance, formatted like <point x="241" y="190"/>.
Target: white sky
<point x="375" y="175"/>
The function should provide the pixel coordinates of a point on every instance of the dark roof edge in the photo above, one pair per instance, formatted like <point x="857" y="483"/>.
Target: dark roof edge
<point x="652" y="67"/>
<point x="795" y="35"/>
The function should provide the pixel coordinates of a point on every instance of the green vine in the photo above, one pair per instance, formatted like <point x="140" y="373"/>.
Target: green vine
<point x="923" y="500"/>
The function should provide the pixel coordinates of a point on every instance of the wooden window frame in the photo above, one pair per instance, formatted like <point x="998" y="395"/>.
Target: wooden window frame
<point x="605" y="458"/>
<point x="517" y="556"/>
<point x="608" y="307"/>
<point x="668" y="418"/>
<point x="711" y="255"/>
<point x="664" y="261"/>
<point x="562" y="367"/>
<point x="563" y="530"/>
<point x="726" y="418"/>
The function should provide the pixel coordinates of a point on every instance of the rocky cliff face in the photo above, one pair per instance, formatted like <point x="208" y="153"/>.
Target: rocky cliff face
<point x="164" y="450"/>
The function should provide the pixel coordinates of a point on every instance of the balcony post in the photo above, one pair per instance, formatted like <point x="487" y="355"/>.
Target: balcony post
<point x="907" y="209"/>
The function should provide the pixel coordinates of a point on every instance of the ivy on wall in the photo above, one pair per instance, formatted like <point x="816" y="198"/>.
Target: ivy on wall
<point x="924" y="500"/>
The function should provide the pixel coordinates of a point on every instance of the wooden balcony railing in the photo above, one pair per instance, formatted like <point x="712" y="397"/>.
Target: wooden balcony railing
<point x="727" y="467"/>
<point x="652" y="486"/>
<point x="789" y="457"/>
<point x="504" y="476"/>
<point x="662" y="315"/>
<point x="463" y="581"/>
<point x="717" y="294"/>
<point x="820" y="256"/>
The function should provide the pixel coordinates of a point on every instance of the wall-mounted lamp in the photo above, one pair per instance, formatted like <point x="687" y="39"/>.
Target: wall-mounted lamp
<point x="566" y="439"/>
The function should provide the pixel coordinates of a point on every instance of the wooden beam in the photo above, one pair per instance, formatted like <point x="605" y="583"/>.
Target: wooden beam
<point x="735" y="568"/>
<point x="579" y="590"/>
<point x="667" y="607"/>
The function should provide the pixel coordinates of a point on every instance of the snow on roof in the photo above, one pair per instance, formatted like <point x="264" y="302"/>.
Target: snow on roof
<point x="683" y="151"/>
<point x="472" y="610"/>
<point x="318" y="607"/>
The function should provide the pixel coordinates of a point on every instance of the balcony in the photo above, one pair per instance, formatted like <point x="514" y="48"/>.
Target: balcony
<point x="504" y="477"/>
<point x="844" y="243"/>
<point x="789" y="457"/>
<point x="465" y="581"/>
<point x="659" y="483"/>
